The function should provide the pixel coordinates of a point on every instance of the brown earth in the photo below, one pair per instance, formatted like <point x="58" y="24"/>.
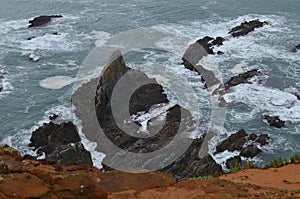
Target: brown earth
<point x="25" y="177"/>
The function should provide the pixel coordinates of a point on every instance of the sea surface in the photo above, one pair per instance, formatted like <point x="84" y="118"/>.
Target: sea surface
<point x="157" y="32"/>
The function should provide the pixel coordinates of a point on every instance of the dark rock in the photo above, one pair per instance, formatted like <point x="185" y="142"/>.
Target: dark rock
<point x="1" y="88"/>
<point x="174" y="131"/>
<point x="220" y="53"/>
<point x="252" y="136"/>
<point x="241" y="78"/>
<point x="247" y="145"/>
<point x="246" y="27"/>
<point x="218" y="41"/>
<point x="41" y="20"/>
<point x="263" y="139"/>
<point x="296" y="48"/>
<point x="53" y="117"/>
<point x="274" y="121"/>
<point x="189" y="165"/>
<point x="55" y="33"/>
<point x="234" y="142"/>
<point x="250" y="151"/>
<point x="232" y="162"/>
<point x="60" y="143"/>
<point x="30" y="38"/>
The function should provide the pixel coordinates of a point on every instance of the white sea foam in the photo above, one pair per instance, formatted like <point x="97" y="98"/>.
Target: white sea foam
<point x="267" y="100"/>
<point x="57" y="82"/>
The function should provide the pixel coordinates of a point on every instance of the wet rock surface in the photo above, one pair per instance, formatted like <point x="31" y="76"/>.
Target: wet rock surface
<point x="246" y="144"/>
<point x="242" y="78"/>
<point x="42" y="20"/>
<point x="246" y="27"/>
<point x="60" y="143"/>
<point x="274" y="121"/>
<point x="178" y="122"/>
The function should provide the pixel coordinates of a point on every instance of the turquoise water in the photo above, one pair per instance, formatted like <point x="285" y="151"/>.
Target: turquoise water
<point x="25" y="104"/>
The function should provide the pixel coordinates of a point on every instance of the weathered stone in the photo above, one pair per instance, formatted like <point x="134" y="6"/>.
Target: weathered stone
<point x="60" y="143"/>
<point x="246" y="27"/>
<point x="53" y="117"/>
<point x="41" y="20"/>
<point x="250" y="151"/>
<point x="241" y="78"/>
<point x="274" y="121"/>
<point x="232" y="162"/>
<point x="233" y="142"/>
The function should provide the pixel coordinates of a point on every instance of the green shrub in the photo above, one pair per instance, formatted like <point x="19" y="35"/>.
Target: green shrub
<point x="279" y="162"/>
<point x="295" y="159"/>
<point x="250" y="164"/>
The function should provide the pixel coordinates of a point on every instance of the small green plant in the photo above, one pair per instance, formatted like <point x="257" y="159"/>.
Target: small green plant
<point x="205" y="177"/>
<point x="283" y="190"/>
<point x="295" y="159"/>
<point x="295" y="192"/>
<point x="235" y="168"/>
<point x="250" y="164"/>
<point x="279" y="162"/>
<point x="238" y="183"/>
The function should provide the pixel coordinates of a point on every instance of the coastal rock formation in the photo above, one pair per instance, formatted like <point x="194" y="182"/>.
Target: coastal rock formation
<point x="296" y="48"/>
<point x="53" y="116"/>
<point x="60" y="143"/>
<point x="25" y="177"/>
<point x="246" y="144"/>
<point x="241" y="78"/>
<point x="173" y="131"/>
<point x="41" y="20"/>
<point x="246" y="27"/>
<point x="274" y="121"/>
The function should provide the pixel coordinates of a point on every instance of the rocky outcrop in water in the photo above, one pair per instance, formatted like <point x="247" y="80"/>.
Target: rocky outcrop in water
<point x="297" y="48"/>
<point x="274" y="121"/>
<point x="241" y="78"/>
<point x="246" y="27"/>
<point x="246" y="144"/>
<point x="41" y="20"/>
<point x="174" y="132"/>
<point x="60" y="143"/>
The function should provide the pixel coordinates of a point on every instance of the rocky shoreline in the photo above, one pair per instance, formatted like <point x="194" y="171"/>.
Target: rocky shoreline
<point x="67" y="171"/>
<point x="26" y="177"/>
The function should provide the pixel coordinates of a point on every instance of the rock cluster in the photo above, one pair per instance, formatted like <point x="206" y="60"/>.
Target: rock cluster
<point x="274" y="121"/>
<point x="60" y="143"/>
<point x="247" y="145"/>
<point x="142" y="99"/>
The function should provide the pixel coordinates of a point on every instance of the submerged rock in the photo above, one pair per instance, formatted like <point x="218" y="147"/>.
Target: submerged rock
<point x="41" y="20"/>
<point x="60" y="143"/>
<point x="274" y="121"/>
<point x="246" y="27"/>
<point x="296" y="48"/>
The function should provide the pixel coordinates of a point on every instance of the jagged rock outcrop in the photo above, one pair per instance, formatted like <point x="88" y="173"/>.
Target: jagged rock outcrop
<point x="174" y="131"/>
<point x="41" y="20"/>
<point x="60" y="143"/>
<point x="297" y="48"/>
<point x="53" y="116"/>
<point x="246" y="27"/>
<point x="241" y="78"/>
<point x="233" y="162"/>
<point x="204" y="46"/>
<point x="246" y="144"/>
<point x="274" y="121"/>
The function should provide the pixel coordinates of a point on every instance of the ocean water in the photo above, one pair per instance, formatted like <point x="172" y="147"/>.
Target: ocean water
<point x="157" y="32"/>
